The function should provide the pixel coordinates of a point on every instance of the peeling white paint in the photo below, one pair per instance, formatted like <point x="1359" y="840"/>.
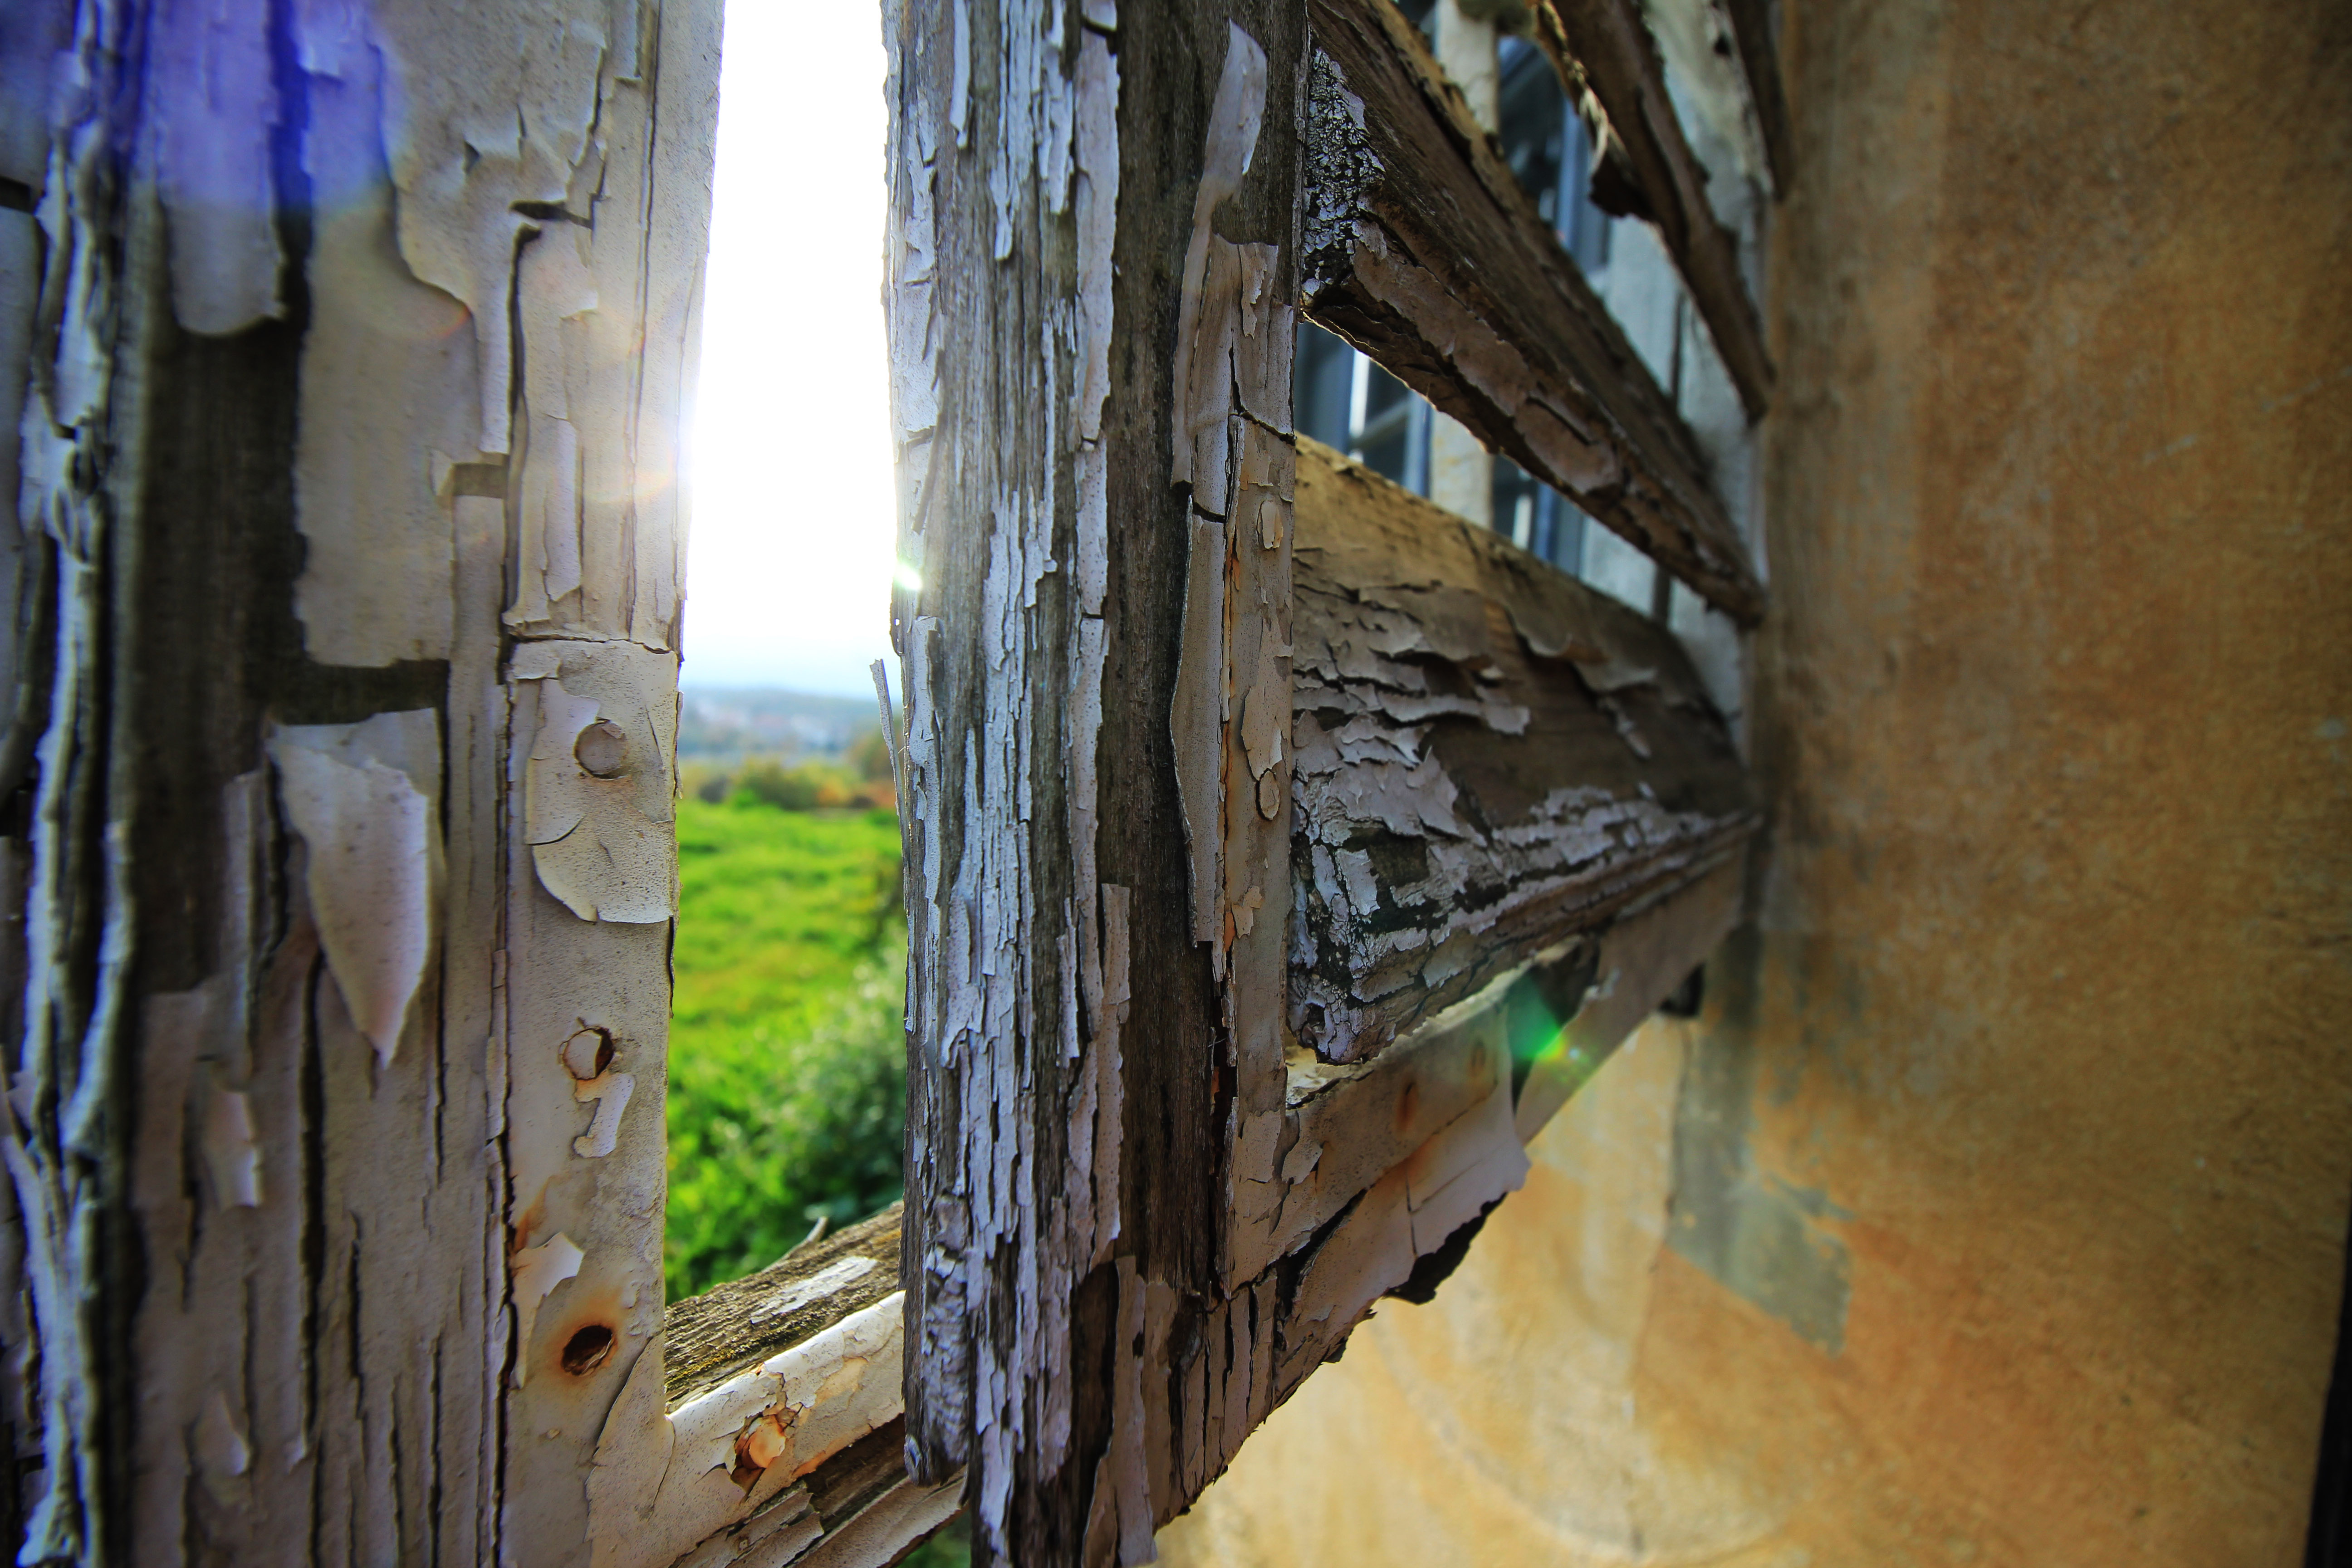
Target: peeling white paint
<point x="610" y="1093"/>
<point x="221" y="1448"/>
<point x="214" y="106"/>
<point x="606" y="847"/>
<point x="537" y="1271"/>
<point x="482" y="115"/>
<point x="232" y="1153"/>
<point x="664" y="1485"/>
<point x="1386" y="604"/>
<point x="388" y="378"/>
<point x="362" y="798"/>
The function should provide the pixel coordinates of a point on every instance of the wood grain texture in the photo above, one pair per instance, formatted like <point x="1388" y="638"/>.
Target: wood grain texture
<point x="1006" y="161"/>
<point x="1518" y="824"/>
<point x="705" y="1337"/>
<point x="1423" y="251"/>
<point x="1492" y="758"/>
<point x="1604" y="48"/>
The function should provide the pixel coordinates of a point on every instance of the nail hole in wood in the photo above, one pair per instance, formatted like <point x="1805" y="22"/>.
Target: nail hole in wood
<point x="586" y="1350"/>
<point x="588" y="1053"/>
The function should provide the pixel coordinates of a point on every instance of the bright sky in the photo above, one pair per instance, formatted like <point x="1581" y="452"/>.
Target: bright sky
<point x="787" y="564"/>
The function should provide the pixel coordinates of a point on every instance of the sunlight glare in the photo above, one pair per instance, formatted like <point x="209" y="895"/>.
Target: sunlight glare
<point x="790" y="554"/>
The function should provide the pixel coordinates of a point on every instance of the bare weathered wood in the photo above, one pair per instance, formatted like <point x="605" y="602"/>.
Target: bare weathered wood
<point x="1423" y="251"/>
<point x="1604" y="50"/>
<point x="1035" y="758"/>
<point x="1099" y="799"/>
<point x="1124" y="1244"/>
<point x="1390" y="1167"/>
<point x="1491" y="758"/>
<point x="1759" y="62"/>
<point x="706" y="1338"/>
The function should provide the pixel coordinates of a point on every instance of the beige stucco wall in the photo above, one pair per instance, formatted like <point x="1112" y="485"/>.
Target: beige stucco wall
<point x="1994" y="1211"/>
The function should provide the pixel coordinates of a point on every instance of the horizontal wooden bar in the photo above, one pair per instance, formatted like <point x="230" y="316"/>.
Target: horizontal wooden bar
<point x="1393" y="1165"/>
<point x="767" y="1425"/>
<point x="1489" y="758"/>
<point x="1605" y="48"/>
<point x="1422" y="250"/>
<point x="708" y="1338"/>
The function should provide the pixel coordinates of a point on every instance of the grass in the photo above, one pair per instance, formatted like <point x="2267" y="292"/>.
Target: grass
<point x="787" y="1066"/>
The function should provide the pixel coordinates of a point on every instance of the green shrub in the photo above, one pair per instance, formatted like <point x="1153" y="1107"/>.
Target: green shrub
<point x="808" y="785"/>
<point x="768" y="782"/>
<point x="703" y="781"/>
<point x="787" y="1076"/>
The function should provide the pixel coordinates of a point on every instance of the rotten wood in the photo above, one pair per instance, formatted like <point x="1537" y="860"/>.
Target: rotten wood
<point x="1604" y="51"/>
<point x="1491" y="758"/>
<point x="1423" y="251"/>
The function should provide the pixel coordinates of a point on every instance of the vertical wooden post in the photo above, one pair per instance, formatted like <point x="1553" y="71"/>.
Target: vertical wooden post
<point x="1090" y="324"/>
<point x="353" y="378"/>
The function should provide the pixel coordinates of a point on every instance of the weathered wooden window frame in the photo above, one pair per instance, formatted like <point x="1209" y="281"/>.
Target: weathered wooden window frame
<point x="1095" y="1347"/>
<point x="414" y="767"/>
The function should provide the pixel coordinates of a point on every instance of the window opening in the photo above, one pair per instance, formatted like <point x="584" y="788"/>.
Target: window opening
<point x="787" y="1067"/>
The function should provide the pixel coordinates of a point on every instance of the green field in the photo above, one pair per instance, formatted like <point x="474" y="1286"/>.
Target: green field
<point x="787" y="1067"/>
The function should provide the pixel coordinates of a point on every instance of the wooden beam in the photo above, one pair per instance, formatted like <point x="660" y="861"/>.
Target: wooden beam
<point x="1422" y="250"/>
<point x="1760" y="61"/>
<point x="1604" y="49"/>
<point x="1490" y="758"/>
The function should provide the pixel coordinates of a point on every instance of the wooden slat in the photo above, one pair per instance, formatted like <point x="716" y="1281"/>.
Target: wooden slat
<point x="1423" y="251"/>
<point x="1490" y="758"/>
<point x="708" y="1338"/>
<point x="1760" y="61"/>
<point x="1604" y="48"/>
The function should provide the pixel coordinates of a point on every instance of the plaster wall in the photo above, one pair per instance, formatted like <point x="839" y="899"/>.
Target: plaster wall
<point x="1994" y="1211"/>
